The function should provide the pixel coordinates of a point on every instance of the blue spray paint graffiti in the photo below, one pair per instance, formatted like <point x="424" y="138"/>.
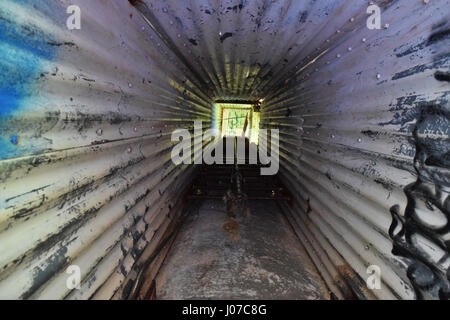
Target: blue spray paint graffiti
<point x="23" y="50"/>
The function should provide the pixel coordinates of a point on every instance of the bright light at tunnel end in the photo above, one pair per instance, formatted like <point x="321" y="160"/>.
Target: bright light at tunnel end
<point x="212" y="152"/>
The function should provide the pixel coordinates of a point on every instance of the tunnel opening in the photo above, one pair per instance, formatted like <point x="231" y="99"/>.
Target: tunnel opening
<point x="224" y="149"/>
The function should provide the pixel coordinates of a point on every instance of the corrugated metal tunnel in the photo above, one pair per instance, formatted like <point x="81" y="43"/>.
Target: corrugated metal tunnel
<point x="92" y="205"/>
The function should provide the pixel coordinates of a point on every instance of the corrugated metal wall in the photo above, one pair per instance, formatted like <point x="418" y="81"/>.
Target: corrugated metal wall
<point x="365" y="144"/>
<point x="86" y="117"/>
<point x="91" y="181"/>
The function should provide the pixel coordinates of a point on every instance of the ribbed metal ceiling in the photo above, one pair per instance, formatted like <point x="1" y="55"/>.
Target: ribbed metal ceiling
<point x="86" y="117"/>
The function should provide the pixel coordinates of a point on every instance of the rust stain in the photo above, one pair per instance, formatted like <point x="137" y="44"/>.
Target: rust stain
<point x="232" y="227"/>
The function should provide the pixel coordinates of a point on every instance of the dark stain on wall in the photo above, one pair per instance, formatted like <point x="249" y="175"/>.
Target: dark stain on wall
<point x="442" y="61"/>
<point x="225" y="36"/>
<point x="427" y="214"/>
<point x="437" y="37"/>
<point x="408" y="109"/>
<point x="420" y="234"/>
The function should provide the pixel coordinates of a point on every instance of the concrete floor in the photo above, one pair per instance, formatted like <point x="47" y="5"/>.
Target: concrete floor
<point x="265" y="262"/>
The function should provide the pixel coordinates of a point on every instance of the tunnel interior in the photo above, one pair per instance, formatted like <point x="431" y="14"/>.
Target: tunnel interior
<point x="224" y="149"/>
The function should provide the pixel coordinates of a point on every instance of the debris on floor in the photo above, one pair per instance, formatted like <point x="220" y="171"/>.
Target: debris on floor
<point x="267" y="262"/>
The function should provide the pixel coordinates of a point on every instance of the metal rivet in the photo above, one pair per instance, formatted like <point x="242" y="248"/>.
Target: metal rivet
<point x="129" y="84"/>
<point x="338" y="56"/>
<point x="404" y="148"/>
<point x="129" y="149"/>
<point x="364" y="39"/>
<point x="135" y="129"/>
<point x="378" y="76"/>
<point x="359" y="140"/>
<point x="143" y="28"/>
<point x="333" y="136"/>
<point x="350" y="49"/>
<point x="338" y="31"/>
<point x="352" y="19"/>
<point x="386" y="26"/>
<point x="99" y="131"/>
<point x="171" y="22"/>
<point x="165" y="10"/>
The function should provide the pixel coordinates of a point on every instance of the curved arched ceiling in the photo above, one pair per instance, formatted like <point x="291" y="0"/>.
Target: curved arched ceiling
<point x="86" y="116"/>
